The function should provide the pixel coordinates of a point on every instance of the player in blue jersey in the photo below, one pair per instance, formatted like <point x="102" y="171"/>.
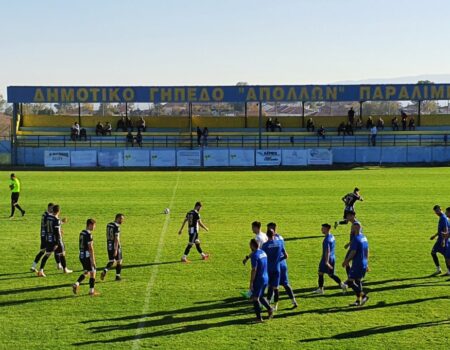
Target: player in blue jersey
<point x="351" y="216"/>
<point x="274" y="249"/>
<point x="441" y="241"/>
<point x="447" y="250"/>
<point x="359" y="258"/>
<point x="327" y="262"/>
<point x="259" y="280"/>
<point x="284" y="278"/>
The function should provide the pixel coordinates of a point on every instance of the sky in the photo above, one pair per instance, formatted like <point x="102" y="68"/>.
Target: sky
<point x="210" y="42"/>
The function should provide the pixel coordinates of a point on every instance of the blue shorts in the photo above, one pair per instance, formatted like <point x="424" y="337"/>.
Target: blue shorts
<point x="258" y="289"/>
<point x="357" y="273"/>
<point x="325" y="269"/>
<point x="284" y="279"/>
<point x="447" y="252"/>
<point x="438" y="248"/>
<point x="274" y="278"/>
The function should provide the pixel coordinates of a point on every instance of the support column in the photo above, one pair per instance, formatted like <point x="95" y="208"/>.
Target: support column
<point x="361" y="109"/>
<point x="79" y="113"/>
<point x="245" y="115"/>
<point x="260" y="125"/>
<point x="190" y="125"/>
<point x="303" y="114"/>
<point x="419" y="114"/>
<point x="14" y="135"/>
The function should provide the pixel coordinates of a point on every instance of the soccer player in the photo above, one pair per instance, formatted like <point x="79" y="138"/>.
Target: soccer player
<point x="359" y="257"/>
<point x="260" y="237"/>
<point x="441" y="242"/>
<point x="326" y="265"/>
<point x="113" y="246"/>
<point x="44" y="240"/>
<point x="14" y="186"/>
<point x="194" y="223"/>
<point x="259" y="279"/>
<point x="87" y="258"/>
<point x="54" y="241"/>
<point x="349" y="200"/>
<point x="274" y="249"/>
<point x="447" y="251"/>
<point x="284" y="278"/>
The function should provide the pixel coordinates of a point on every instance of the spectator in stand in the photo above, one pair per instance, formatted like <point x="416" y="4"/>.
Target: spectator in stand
<point x="128" y="124"/>
<point x="349" y="129"/>
<point x="373" y="135"/>
<point x="369" y="123"/>
<point x="341" y="129"/>
<point x="310" y="125"/>
<point x="321" y="132"/>
<point x="269" y="125"/>
<point x="351" y="116"/>
<point x="75" y="131"/>
<point x="141" y="125"/>
<point x="277" y="125"/>
<point x="121" y="125"/>
<point x="199" y="136"/>
<point x="412" y="123"/>
<point x="107" y="130"/>
<point x="83" y="134"/>
<point x="404" y="120"/>
<point x="139" y="138"/>
<point x="359" y="123"/>
<point x="99" y="129"/>
<point x="394" y="123"/>
<point x="205" y="136"/>
<point x="380" y="124"/>
<point x="130" y="139"/>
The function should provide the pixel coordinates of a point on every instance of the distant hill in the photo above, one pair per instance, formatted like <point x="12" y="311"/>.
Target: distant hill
<point x="436" y="78"/>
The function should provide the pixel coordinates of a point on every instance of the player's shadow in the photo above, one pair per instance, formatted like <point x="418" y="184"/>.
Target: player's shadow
<point x="33" y="300"/>
<point x="33" y="289"/>
<point x="177" y="330"/>
<point x="378" y="330"/>
<point x="218" y="305"/>
<point x="134" y="266"/>
<point x="379" y="305"/>
<point x="14" y="273"/>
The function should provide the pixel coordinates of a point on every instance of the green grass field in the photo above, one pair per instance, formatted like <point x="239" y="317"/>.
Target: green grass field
<point x="162" y="303"/>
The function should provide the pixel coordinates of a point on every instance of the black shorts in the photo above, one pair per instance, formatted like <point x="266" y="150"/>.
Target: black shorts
<point x="50" y="247"/>
<point x="87" y="265"/>
<point x="117" y="257"/>
<point x="193" y="238"/>
<point x="346" y="211"/>
<point x="43" y="243"/>
<point x="61" y="249"/>
<point x="15" y="197"/>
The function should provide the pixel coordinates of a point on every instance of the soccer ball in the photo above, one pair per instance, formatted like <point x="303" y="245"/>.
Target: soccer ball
<point x="167" y="211"/>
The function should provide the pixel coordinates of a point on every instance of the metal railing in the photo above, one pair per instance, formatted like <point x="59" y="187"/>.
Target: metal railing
<point x="284" y="140"/>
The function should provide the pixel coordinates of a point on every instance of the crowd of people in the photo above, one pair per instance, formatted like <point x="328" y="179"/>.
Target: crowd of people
<point x="202" y="136"/>
<point x="273" y="125"/>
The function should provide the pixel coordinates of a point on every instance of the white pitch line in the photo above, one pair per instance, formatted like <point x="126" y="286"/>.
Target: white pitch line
<point x="155" y="268"/>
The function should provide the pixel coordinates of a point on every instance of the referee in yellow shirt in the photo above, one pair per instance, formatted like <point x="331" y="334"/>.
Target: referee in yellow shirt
<point x="15" y="193"/>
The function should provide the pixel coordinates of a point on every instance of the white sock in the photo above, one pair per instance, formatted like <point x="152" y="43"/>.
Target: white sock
<point x="77" y="283"/>
<point x="91" y="290"/>
<point x="34" y="264"/>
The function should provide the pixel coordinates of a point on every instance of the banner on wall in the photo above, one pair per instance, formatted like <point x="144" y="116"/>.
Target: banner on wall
<point x="189" y="158"/>
<point x="242" y="157"/>
<point x="110" y="159"/>
<point x="163" y="158"/>
<point x="216" y="157"/>
<point x="133" y="158"/>
<point x="297" y="157"/>
<point x="83" y="158"/>
<point x="268" y="157"/>
<point x="56" y="158"/>
<point x="320" y="156"/>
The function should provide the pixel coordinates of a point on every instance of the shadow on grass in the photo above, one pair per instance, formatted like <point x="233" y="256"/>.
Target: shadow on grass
<point x="34" y="300"/>
<point x="150" y="264"/>
<point x="378" y="330"/>
<point x="291" y="239"/>
<point x="172" y="320"/>
<point x="33" y="289"/>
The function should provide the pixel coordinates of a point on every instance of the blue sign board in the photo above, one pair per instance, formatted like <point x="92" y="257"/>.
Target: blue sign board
<point x="232" y="94"/>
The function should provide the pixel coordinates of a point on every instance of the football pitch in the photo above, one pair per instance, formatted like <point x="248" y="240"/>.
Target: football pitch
<point x="163" y="303"/>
